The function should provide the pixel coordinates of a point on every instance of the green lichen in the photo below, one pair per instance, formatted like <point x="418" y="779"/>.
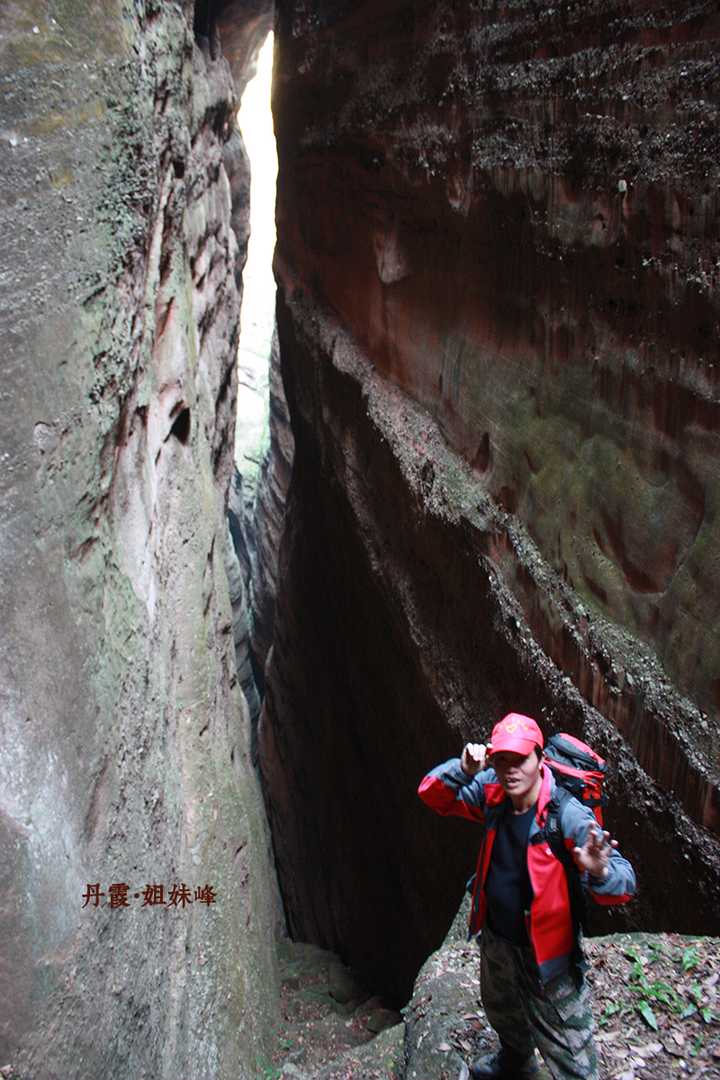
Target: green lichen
<point x="50" y="122"/>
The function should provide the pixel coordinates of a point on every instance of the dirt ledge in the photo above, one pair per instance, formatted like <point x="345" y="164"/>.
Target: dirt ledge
<point x="655" y="1002"/>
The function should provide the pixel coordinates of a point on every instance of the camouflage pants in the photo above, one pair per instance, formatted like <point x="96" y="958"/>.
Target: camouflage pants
<point x="555" y="1018"/>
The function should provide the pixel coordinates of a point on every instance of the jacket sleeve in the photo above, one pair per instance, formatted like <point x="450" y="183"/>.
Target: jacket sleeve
<point x="447" y="789"/>
<point x="620" y="885"/>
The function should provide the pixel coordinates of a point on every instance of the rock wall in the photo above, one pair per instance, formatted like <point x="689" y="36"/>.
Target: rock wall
<point x="125" y="738"/>
<point x="498" y="267"/>
<point x="238" y="586"/>
<point x="269" y="517"/>
<point x="256" y="515"/>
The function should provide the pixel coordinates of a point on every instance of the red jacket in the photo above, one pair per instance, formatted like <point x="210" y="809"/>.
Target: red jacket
<point x="449" y="790"/>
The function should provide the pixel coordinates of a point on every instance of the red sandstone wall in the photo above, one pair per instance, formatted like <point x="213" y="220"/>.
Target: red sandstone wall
<point x="514" y="211"/>
<point x="509" y="214"/>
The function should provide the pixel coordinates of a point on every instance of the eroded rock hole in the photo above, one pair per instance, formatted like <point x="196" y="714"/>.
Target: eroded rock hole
<point x="181" y="426"/>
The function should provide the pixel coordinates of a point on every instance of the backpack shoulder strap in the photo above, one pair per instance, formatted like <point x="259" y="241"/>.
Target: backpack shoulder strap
<point x="556" y="842"/>
<point x="553" y="828"/>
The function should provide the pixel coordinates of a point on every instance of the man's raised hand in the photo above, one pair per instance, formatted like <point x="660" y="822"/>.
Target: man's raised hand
<point x="473" y="758"/>
<point x="594" y="855"/>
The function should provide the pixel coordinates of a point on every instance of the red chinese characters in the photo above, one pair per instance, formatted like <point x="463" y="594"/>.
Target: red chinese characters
<point x="178" y="895"/>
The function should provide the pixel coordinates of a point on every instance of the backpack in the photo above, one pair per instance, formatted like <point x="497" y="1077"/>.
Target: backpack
<point x="578" y="772"/>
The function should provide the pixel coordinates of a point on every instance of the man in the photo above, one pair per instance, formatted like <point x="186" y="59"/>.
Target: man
<point x="532" y="968"/>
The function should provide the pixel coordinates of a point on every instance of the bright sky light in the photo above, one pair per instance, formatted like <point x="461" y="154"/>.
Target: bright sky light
<point x="258" y="306"/>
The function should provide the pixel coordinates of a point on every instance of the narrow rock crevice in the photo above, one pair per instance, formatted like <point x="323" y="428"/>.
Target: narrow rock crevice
<point x="492" y="482"/>
<point x="506" y="469"/>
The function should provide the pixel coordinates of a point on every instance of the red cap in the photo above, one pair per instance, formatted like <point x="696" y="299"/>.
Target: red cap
<point x="516" y="733"/>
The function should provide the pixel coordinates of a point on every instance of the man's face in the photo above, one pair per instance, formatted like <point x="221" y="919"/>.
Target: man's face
<point x="517" y="774"/>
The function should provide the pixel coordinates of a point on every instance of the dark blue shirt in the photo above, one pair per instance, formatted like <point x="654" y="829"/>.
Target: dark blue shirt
<point x="507" y="887"/>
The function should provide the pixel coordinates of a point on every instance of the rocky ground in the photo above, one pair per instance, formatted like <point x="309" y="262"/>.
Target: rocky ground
<point x="655" y="996"/>
<point x="331" y="1023"/>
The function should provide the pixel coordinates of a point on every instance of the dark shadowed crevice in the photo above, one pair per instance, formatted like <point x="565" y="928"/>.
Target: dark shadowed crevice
<point x="205" y="26"/>
<point x="181" y="426"/>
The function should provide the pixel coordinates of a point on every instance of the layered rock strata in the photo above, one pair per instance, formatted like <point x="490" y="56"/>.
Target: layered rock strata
<point x="241" y="616"/>
<point x="125" y="758"/>
<point x="497" y="261"/>
<point x="256" y="514"/>
<point x="269" y="517"/>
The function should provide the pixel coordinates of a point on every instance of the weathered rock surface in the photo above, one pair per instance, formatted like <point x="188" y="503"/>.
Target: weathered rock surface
<point x="497" y="262"/>
<point x="238" y="591"/>
<point x="256" y="513"/>
<point x="125" y="740"/>
<point x="241" y="27"/>
<point x="269" y="516"/>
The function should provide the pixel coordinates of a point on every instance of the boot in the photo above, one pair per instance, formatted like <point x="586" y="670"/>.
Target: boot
<point x="505" y="1064"/>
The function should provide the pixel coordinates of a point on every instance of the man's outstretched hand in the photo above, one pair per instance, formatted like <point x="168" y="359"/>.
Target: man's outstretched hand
<point x="594" y="855"/>
<point x="473" y="758"/>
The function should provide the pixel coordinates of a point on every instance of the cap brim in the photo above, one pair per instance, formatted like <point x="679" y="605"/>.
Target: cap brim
<point x="513" y="746"/>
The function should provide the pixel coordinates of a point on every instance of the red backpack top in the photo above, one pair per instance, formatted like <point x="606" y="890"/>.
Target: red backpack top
<point x="578" y="769"/>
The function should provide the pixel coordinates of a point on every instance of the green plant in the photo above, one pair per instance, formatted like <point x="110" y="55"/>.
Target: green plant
<point x="658" y="950"/>
<point x="648" y="1015"/>
<point x="267" y="1071"/>
<point x="654" y="990"/>
<point x="610" y="1010"/>
<point x="697" y="1046"/>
